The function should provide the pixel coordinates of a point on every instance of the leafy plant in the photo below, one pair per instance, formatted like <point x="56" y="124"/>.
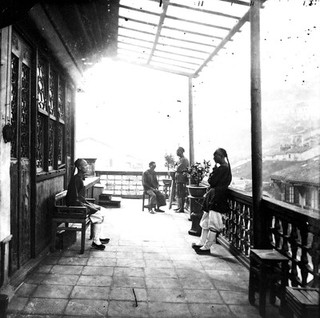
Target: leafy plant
<point x="169" y="161"/>
<point x="198" y="171"/>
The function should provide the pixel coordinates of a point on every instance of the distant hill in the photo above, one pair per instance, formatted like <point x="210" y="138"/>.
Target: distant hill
<point x="269" y="167"/>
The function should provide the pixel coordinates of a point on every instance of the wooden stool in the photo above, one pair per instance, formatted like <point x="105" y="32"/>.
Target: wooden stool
<point x="264" y="269"/>
<point x="145" y="196"/>
<point x="303" y="302"/>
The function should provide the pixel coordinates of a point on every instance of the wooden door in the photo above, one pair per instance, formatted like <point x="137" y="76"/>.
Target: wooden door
<point x="20" y="248"/>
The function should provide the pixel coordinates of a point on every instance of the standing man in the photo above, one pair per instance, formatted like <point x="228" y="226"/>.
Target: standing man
<point x="150" y="186"/>
<point x="181" y="179"/>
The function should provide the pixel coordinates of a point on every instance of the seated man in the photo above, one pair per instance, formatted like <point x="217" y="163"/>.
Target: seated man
<point x="76" y="196"/>
<point x="150" y="185"/>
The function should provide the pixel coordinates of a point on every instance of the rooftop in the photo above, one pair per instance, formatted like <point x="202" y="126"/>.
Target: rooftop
<point x="306" y="172"/>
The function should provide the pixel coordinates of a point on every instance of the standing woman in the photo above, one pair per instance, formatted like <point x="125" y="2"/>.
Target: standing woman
<point x="76" y="196"/>
<point x="215" y="202"/>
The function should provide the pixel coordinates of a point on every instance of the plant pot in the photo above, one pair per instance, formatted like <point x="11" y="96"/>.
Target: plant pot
<point x="196" y="191"/>
<point x="167" y="182"/>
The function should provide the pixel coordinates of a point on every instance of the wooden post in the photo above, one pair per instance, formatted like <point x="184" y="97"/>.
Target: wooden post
<point x="259" y="230"/>
<point x="4" y="300"/>
<point x="191" y="143"/>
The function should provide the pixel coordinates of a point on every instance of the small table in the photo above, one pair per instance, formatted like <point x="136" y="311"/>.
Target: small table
<point x="263" y="269"/>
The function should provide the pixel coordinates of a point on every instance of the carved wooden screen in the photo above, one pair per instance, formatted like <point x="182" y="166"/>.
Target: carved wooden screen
<point x="21" y="63"/>
<point x="50" y="154"/>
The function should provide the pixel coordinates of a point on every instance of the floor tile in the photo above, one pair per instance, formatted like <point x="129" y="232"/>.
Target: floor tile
<point x="128" y="294"/>
<point x="53" y="291"/>
<point x="129" y="271"/>
<point x="163" y="282"/>
<point x="87" y="308"/>
<point x="91" y="280"/>
<point x="203" y="296"/>
<point x="210" y="310"/>
<point x="98" y="270"/>
<point x="70" y="269"/>
<point x="45" y="306"/>
<point x="128" y="309"/>
<point x="171" y="310"/>
<point x="60" y="279"/>
<point x="167" y="295"/>
<point x="90" y="292"/>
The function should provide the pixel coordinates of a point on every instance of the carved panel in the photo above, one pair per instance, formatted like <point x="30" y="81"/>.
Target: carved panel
<point x="40" y="143"/>
<point x="51" y="133"/>
<point x="42" y="85"/>
<point x="60" y="135"/>
<point x="61" y="99"/>
<point x="52" y="101"/>
<point x="14" y="102"/>
<point x="25" y="111"/>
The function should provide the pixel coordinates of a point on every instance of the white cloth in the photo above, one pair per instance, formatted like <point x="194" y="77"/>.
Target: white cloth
<point x="96" y="217"/>
<point x="212" y="221"/>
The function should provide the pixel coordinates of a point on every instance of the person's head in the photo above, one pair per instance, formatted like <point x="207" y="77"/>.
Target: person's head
<point x="81" y="165"/>
<point x="220" y="156"/>
<point x="152" y="165"/>
<point x="180" y="152"/>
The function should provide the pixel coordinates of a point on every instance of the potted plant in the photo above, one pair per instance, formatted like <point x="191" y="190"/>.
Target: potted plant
<point x="197" y="172"/>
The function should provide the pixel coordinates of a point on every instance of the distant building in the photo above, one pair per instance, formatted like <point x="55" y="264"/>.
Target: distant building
<point x="299" y="184"/>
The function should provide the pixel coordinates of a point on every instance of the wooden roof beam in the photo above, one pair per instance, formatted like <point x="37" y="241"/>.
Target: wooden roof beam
<point x="199" y="23"/>
<point x="233" y="31"/>
<point x="156" y="68"/>
<point x="160" y="24"/>
<point x="205" y="11"/>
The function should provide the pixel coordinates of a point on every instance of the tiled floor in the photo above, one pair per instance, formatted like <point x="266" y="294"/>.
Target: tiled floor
<point x="147" y="270"/>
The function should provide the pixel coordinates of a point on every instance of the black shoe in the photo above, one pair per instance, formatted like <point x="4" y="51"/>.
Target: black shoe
<point x="195" y="246"/>
<point x="159" y="210"/>
<point x="203" y="252"/>
<point x="104" y="240"/>
<point x="100" y="247"/>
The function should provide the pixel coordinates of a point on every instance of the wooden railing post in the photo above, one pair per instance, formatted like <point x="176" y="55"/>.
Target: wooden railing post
<point x="260" y="239"/>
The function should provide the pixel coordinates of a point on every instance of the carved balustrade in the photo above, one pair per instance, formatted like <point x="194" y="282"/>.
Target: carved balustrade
<point x="292" y="231"/>
<point x="127" y="184"/>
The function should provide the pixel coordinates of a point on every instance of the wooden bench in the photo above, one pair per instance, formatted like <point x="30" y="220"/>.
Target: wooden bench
<point x="71" y="216"/>
<point x="303" y="302"/>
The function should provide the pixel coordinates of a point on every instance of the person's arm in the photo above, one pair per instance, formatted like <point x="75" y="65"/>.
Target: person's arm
<point x="74" y="187"/>
<point x="217" y="176"/>
<point x="80" y="191"/>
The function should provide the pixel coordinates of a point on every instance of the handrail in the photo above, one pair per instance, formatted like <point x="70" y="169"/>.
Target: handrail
<point x="127" y="184"/>
<point x="293" y="231"/>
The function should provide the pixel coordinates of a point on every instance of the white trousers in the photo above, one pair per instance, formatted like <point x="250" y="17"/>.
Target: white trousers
<point x="212" y="221"/>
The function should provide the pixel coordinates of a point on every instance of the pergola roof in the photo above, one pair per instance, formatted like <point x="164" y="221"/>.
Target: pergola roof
<point x="178" y="36"/>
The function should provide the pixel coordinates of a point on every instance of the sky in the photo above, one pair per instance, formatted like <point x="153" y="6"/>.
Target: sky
<point x="144" y="112"/>
<point x="139" y="111"/>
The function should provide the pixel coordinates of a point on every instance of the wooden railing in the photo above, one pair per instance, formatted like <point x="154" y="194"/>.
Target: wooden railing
<point x="127" y="184"/>
<point x="292" y="231"/>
